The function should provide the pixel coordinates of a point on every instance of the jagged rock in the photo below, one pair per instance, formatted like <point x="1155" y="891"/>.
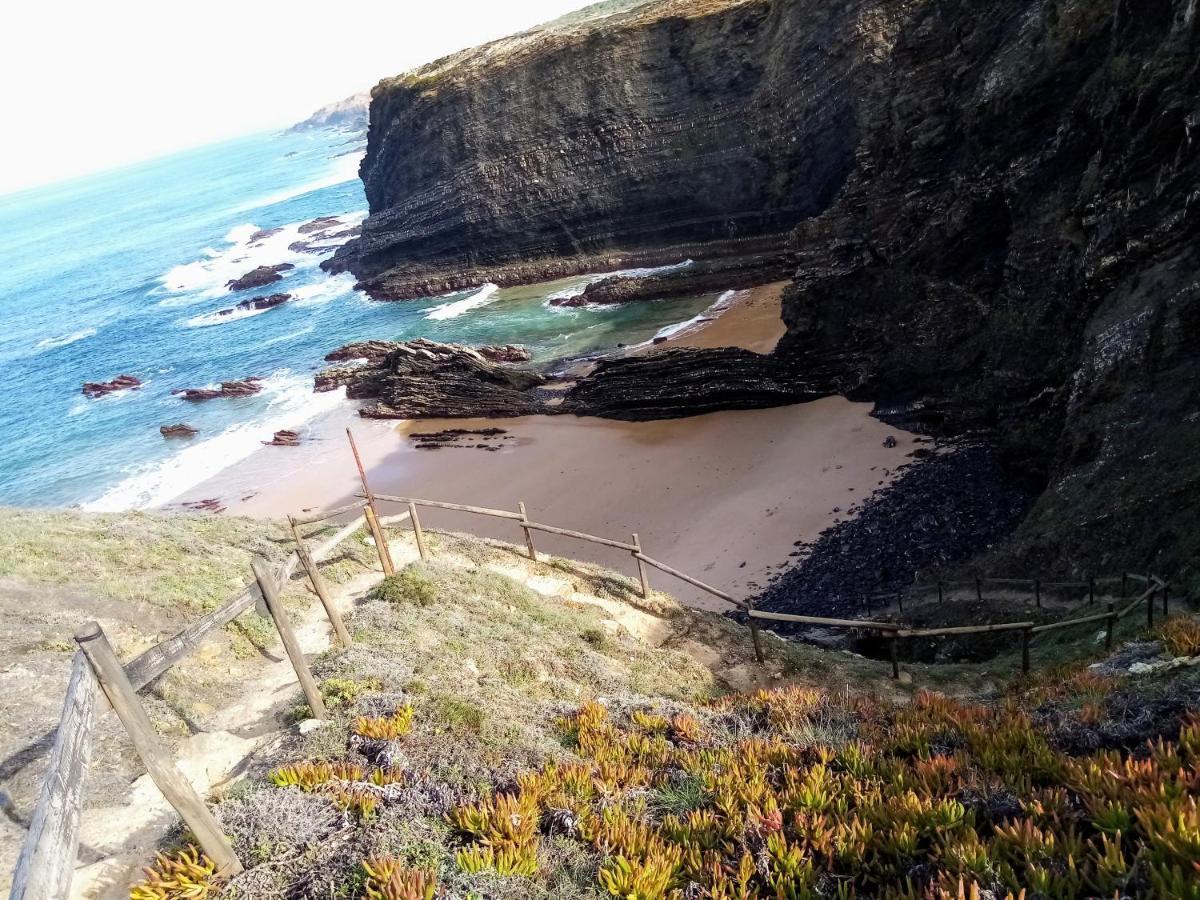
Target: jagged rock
<point x="180" y="429"/>
<point x="268" y="302"/>
<point x="284" y="438"/>
<point x="425" y="379"/>
<point x="321" y="223"/>
<point x="120" y="383"/>
<point x="992" y="204"/>
<point x="699" y="278"/>
<point x="687" y="382"/>
<point x="889" y="441"/>
<point x="259" y="277"/>
<point x="245" y="388"/>
<point x="262" y="234"/>
<point x="371" y="351"/>
<point x="507" y="353"/>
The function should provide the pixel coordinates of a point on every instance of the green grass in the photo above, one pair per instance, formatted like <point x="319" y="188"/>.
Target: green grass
<point x="190" y="562"/>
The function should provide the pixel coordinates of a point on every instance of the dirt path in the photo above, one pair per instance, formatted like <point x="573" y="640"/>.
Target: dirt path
<point x="126" y="832"/>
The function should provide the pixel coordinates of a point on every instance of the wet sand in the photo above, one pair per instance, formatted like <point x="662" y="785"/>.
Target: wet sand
<point x="723" y="497"/>
<point x="751" y="321"/>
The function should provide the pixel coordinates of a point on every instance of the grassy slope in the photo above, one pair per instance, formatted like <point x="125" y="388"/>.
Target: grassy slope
<point x="553" y="753"/>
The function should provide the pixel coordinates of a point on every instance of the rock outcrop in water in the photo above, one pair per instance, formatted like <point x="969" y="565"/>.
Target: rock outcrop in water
<point x="178" y="430"/>
<point x="259" y="277"/>
<point x="120" y="383"/>
<point x="247" y="387"/>
<point x="256" y="303"/>
<point x="993" y="207"/>
<point x="707" y="277"/>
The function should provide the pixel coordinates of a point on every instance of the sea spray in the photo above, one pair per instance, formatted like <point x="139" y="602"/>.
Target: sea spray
<point x="287" y="402"/>
<point x="482" y="297"/>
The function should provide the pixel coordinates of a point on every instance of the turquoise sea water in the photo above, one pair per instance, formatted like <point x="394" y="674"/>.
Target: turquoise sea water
<point x="124" y="272"/>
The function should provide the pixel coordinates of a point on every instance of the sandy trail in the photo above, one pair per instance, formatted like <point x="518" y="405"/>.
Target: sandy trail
<point x="127" y="832"/>
<point x="724" y="497"/>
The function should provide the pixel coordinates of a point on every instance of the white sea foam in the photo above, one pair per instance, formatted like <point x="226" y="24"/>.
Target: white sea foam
<point x="206" y="320"/>
<point x="456" y="308"/>
<point x="290" y="336"/>
<point x="324" y="290"/>
<point x="667" y="332"/>
<point x="56" y="342"/>
<point x="343" y="169"/>
<point x="208" y="276"/>
<point x="287" y="401"/>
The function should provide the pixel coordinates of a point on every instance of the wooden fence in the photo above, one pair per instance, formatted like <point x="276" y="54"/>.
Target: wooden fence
<point x="47" y="859"/>
<point x="894" y="631"/>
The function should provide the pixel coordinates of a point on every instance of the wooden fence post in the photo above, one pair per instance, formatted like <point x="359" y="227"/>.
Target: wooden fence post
<point x="1025" y="636"/>
<point x="266" y="584"/>
<point x="1108" y="631"/>
<point x="895" y="658"/>
<point x="641" y="568"/>
<point x="1150" y="607"/>
<point x="528" y="533"/>
<point x="754" y="635"/>
<point x="318" y="584"/>
<point x="417" y="533"/>
<point x="978" y="589"/>
<point x="179" y="793"/>
<point x="48" y="854"/>
<point x="899" y="600"/>
<point x="1037" y="592"/>
<point x="385" y="557"/>
<point x="1091" y="589"/>
<point x="939" y="590"/>
<point x="385" y="554"/>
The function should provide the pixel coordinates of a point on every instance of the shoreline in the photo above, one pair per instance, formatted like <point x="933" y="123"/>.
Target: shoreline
<point x="724" y="497"/>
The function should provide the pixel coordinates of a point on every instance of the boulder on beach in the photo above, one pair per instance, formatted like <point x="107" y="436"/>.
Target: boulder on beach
<point x="245" y="388"/>
<point x="178" y="430"/>
<point x="259" y="277"/>
<point x="120" y="383"/>
<point x="284" y="438"/>
<point x="427" y="379"/>
<point x="269" y="301"/>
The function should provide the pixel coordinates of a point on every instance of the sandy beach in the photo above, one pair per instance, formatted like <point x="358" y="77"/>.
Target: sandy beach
<point x="724" y="497"/>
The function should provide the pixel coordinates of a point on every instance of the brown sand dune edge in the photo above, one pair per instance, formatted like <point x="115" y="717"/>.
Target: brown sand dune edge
<point x="722" y="497"/>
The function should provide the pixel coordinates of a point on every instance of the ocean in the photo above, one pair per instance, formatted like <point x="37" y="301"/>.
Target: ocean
<point x="125" y="272"/>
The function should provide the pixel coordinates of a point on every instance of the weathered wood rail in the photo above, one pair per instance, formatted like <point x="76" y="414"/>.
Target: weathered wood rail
<point x="47" y="858"/>
<point x="1029" y="630"/>
<point x="48" y="853"/>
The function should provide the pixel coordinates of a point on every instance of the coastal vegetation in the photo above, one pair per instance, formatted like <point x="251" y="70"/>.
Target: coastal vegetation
<point x="503" y="728"/>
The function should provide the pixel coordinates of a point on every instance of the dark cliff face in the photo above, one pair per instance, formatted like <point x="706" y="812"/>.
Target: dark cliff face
<point x="994" y="206"/>
<point x="1018" y="250"/>
<point x="692" y="124"/>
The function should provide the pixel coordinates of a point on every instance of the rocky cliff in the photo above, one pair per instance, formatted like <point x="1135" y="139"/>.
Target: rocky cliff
<point x="993" y="207"/>
<point x="1018" y="251"/>
<point x="581" y="145"/>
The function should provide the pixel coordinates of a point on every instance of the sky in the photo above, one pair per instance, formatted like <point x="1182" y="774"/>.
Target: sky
<point x="88" y="86"/>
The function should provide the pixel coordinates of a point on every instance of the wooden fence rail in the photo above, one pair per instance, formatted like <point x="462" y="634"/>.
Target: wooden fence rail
<point x="47" y="858"/>
<point x="48" y="853"/>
